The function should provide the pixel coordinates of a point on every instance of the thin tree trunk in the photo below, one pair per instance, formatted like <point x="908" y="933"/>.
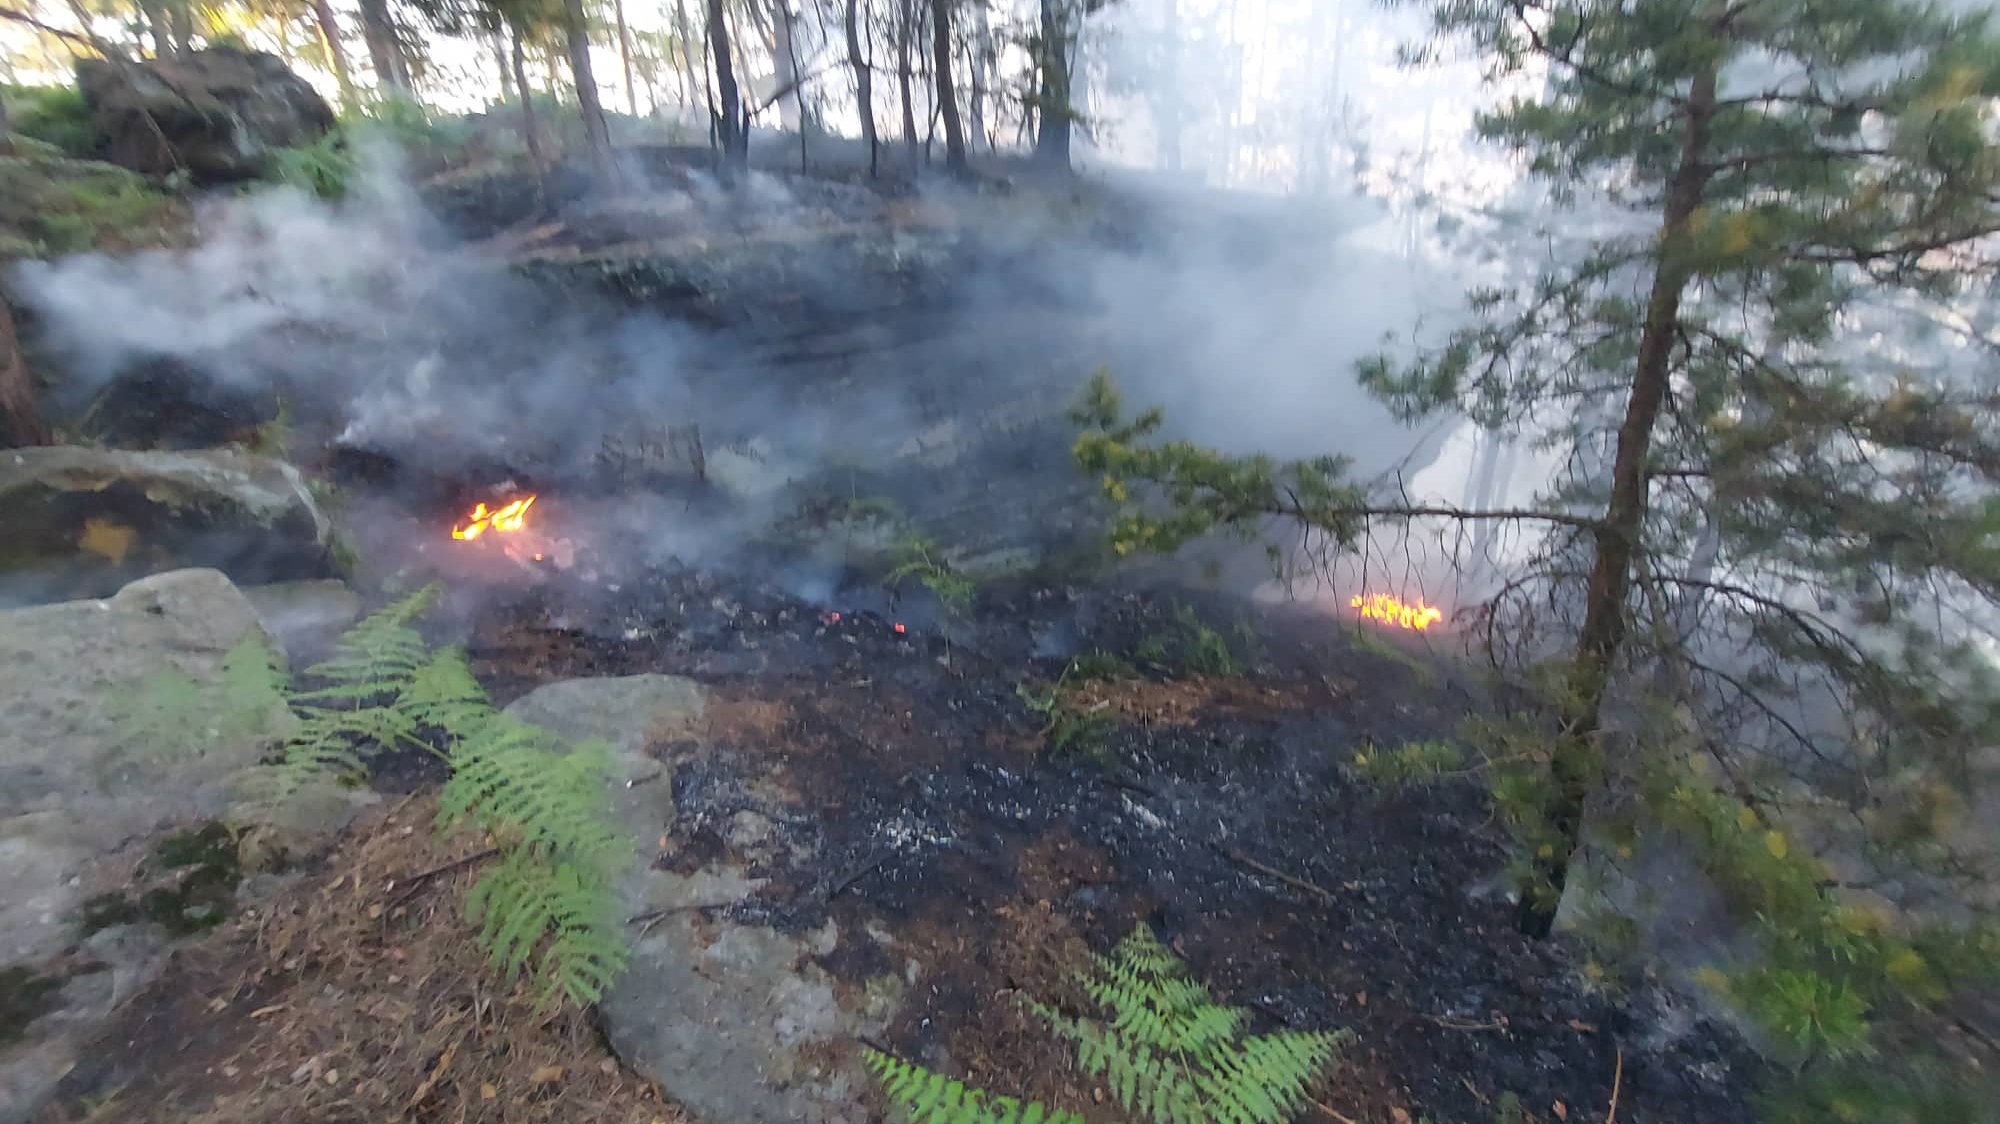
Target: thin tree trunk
<point x="501" y="63"/>
<point x="518" y="56"/>
<point x="595" y="128"/>
<point x="183" y="23"/>
<point x="1578" y="752"/>
<point x="864" y="86"/>
<point x="685" y="33"/>
<point x="20" y="425"/>
<point x="733" y="125"/>
<point x="954" y="131"/>
<point x="785" y="61"/>
<point x="336" y="55"/>
<point x="1053" y="99"/>
<point x="625" y="57"/>
<point x="155" y="12"/>
<point x="982" y="70"/>
<point x="906" y="34"/>
<point x="385" y="51"/>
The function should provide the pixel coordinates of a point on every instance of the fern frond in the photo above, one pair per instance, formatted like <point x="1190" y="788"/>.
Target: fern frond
<point x="925" y="1097"/>
<point x="378" y="657"/>
<point x="506" y="780"/>
<point x="526" y="898"/>
<point x="443" y="695"/>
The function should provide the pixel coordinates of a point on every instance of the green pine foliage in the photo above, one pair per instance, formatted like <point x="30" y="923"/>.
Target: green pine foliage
<point x="1168" y="1052"/>
<point x="1761" y="357"/>
<point x="548" y="908"/>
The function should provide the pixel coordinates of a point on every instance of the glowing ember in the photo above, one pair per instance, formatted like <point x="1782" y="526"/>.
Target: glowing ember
<point x="1392" y="611"/>
<point x="511" y="517"/>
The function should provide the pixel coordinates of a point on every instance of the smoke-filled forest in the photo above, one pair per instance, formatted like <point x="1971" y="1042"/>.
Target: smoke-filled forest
<point x="1000" y="561"/>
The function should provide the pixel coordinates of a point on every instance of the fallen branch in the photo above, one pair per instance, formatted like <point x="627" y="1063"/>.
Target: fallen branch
<point x="416" y="882"/>
<point x="1236" y="856"/>
<point x="1617" y="1082"/>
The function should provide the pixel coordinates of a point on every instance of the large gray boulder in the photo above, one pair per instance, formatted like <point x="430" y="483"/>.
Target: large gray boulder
<point x="734" y="1020"/>
<point x="85" y="791"/>
<point x="219" y="113"/>
<point x="82" y="522"/>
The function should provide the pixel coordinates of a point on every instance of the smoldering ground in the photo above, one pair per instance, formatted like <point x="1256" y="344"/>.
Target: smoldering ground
<point x="367" y="317"/>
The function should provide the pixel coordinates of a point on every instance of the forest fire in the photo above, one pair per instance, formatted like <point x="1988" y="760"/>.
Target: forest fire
<point x="510" y="517"/>
<point x="1389" y="610"/>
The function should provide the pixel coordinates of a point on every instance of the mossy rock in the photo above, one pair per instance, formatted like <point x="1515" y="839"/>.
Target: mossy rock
<point x="51" y="205"/>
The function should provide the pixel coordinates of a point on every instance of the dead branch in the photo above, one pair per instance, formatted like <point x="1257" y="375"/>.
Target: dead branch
<point x="1236" y="856"/>
<point x="416" y="882"/>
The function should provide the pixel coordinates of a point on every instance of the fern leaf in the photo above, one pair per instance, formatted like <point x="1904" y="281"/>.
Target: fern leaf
<point x="377" y="657"/>
<point x="443" y="694"/>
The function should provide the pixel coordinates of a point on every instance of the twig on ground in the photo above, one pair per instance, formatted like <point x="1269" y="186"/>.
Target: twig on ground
<point x="1460" y="1024"/>
<point x="1617" y="1082"/>
<point x="1343" y="1118"/>
<point x="652" y="917"/>
<point x="410" y="886"/>
<point x="1236" y="856"/>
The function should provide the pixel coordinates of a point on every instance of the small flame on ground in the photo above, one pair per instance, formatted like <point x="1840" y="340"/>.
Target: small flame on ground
<point x="511" y="517"/>
<point x="900" y="630"/>
<point x="1390" y="610"/>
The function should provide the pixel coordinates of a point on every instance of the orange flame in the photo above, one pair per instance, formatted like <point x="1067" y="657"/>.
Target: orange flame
<point x="1392" y="611"/>
<point x="511" y="517"/>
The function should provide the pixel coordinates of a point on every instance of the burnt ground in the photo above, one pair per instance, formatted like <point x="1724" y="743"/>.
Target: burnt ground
<point x="909" y="783"/>
<point x="900" y="779"/>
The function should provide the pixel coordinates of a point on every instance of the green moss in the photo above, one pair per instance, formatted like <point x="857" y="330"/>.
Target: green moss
<point x="208" y="845"/>
<point x="55" y="115"/>
<point x="105" y="911"/>
<point x="199" y="895"/>
<point x="52" y="205"/>
<point x="24" y="997"/>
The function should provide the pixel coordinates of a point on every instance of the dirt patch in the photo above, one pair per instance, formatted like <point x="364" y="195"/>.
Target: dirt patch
<point x="740" y="716"/>
<point x="357" y="994"/>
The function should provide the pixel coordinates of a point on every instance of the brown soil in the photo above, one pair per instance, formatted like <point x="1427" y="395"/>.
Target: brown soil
<point x="356" y="993"/>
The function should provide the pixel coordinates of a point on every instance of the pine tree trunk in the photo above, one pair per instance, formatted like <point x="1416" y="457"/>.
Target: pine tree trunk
<point x="864" y="86"/>
<point x="785" y="59"/>
<point x="183" y="24"/>
<point x="684" y="31"/>
<point x="595" y="128"/>
<point x="385" y="51"/>
<point x="155" y="12"/>
<point x="20" y="425"/>
<point x="906" y="34"/>
<point x="518" y="55"/>
<point x="1578" y="752"/>
<point x="954" y="131"/>
<point x="336" y="55"/>
<point x="982" y="73"/>
<point x="625" y="57"/>
<point x="734" y="131"/>
<point x="501" y="64"/>
<point x="1052" y="98"/>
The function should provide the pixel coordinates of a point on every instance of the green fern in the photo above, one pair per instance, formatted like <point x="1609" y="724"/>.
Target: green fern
<point x="1166" y="1050"/>
<point x="1172" y="1053"/>
<point x="932" y="1098"/>
<point x="550" y="903"/>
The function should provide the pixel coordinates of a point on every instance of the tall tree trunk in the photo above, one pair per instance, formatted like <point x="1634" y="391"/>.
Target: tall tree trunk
<point x="518" y="58"/>
<point x="864" y="86"/>
<point x="183" y="23"/>
<point x="1578" y="754"/>
<point x="385" y="50"/>
<point x="19" y="423"/>
<point x="733" y="124"/>
<point x="785" y="61"/>
<point x="684" y="31"/>
<point x="625" y="57"/>
<point x="982" y="71"/>
<point x="576" y="31"/>
<point x="1053" y="97"/>
<point x="508" y="90"/>
<point x="954" y="131"/>
<point x="906" y="35"/>
<point x="336" y="55"/>
<point x="155" y="12"/>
